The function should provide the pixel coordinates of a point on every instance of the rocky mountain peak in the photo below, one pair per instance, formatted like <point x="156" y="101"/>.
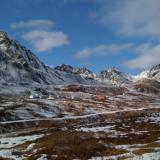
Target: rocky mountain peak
<point x="83" y="70"/>
<point x="14" y="53"/>
<point x="5" y="41"/>
<point x="18" y="65"/>
<point x="156" y="67"/>
<point x="109" y="72"/>
<point x="154" y="72"/>
<point x="114" y="74"/>
<point x="65" y="68"/>
<point x="3" y="34"/>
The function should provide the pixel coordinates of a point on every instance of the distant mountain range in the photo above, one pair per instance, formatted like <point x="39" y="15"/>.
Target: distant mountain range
<point x="18" y="65"/>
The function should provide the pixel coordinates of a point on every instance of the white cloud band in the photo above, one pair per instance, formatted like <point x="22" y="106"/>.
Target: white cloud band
<point x="39" y="34"/>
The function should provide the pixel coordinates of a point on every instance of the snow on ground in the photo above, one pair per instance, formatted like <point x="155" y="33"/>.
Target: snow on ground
<point x="154" y="118"/>
<point x="147" y="156"/>
<point x="8" y="154"/>
<point x="70" y="117"/>
<point x="43" y="157"/>
<point x="9" y="142"/>
<point x="96" y="129"/>
<point x="30" y="147"/>
<point x="116" y="157"/>
<point x="129" y="147"/>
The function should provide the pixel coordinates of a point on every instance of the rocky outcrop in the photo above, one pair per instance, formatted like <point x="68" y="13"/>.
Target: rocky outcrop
<point x="154" y="72"/>
<point x="18" y="65"/>
<point x="147" y="86"/>
<point x="115" y="75"/>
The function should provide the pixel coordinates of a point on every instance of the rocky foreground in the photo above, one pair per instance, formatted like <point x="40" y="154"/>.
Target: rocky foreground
<point x="81" y="122"/>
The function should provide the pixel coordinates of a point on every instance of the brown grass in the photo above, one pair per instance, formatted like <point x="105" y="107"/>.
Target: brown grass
<point x="143" y="150"/>
<point x="71" y="145"/>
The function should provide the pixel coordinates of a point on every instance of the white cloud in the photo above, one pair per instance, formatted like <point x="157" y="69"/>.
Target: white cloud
<point x="40" y="35"/>
<point x="148" y="55"/>
<point x="138" y="19"/>
<point x="131" y="17"/>
<point x="31" y="24"/>
<point x="45" y="40"/>
<point x="102" y="50"/>
<point x="145" y="55"/>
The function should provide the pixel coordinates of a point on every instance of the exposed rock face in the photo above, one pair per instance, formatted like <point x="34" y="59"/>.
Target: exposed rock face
<point x="147" y="86"/>
<point x="156" y="67"/>
<point x="65" y="68"/>
<point x="18" y="65"/>
<point x="115" y="75"/>
<point x="154" y="72"/>
<point x="83" y="72"/>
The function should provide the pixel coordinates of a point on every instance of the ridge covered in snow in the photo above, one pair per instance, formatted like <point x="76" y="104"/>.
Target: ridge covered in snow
<point x="18" y="65"/>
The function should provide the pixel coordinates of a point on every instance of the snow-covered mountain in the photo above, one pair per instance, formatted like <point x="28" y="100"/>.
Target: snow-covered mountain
<point x="148" y="81"/>
<point x="18" y="65"/>
<point x="83" y="72"/>
<point x="65" y="68"/>
<point x="152" y="74"/>
<point x="140" y="76"/>
<point x="115" y="75"/>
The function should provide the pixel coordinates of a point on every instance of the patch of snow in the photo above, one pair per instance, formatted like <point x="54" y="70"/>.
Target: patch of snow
<point x="9" y="142"/>
<point x="96" y="129"/>
<point x="116" y="157"/>
<point x="8" y="154"/>
<point x="43" y="157"/>
<point x="147" y="156"/>
<point x="30" y="147"/>
<point x="141" y="76"/>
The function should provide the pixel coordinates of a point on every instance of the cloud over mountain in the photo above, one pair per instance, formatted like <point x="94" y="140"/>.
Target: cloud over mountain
<point x="40" y="34"/>
<point x="103" y="50"/>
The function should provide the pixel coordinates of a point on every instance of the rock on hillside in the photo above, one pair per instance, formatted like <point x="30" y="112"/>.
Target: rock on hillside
<point x="18" y="65"/>
<point x="115" y="75"/>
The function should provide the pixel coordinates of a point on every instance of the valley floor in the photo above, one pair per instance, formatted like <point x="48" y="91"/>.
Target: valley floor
<point x="92" y="124"/>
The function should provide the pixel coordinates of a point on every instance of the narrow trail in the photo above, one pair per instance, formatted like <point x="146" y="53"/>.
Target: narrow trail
<point x="77" y="117"/>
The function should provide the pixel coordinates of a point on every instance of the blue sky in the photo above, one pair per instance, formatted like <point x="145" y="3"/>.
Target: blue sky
<point x="97" y="34"/>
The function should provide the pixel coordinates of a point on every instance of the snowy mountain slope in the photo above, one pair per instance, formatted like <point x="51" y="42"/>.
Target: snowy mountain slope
<point x="110" y="76"/>
<point x="147" y="85"/>
<point x="148" y="81"/>
<point x="83" y="72"/>
<point x="18" y="65"/>
<point x="115" y="75"/>
<point x="153" y="73"/>
<point x="140" y="76"/>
